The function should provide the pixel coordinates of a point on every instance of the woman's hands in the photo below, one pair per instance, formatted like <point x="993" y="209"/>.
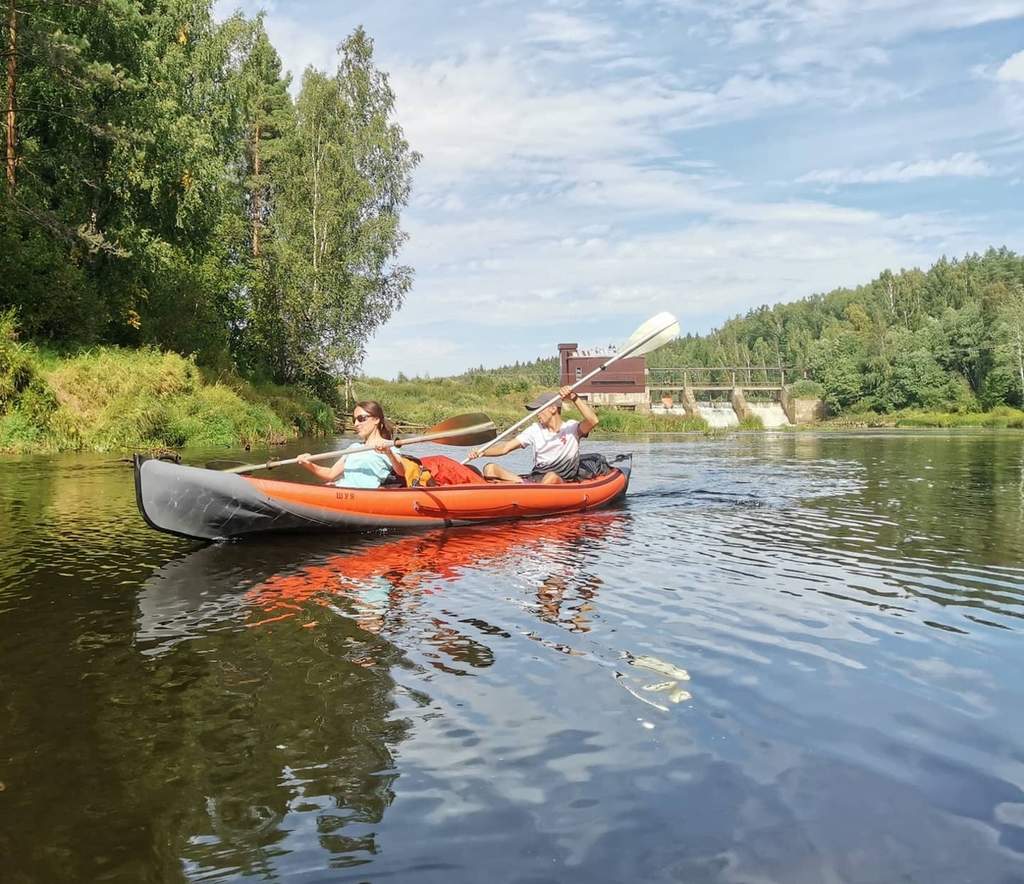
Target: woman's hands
<point x="328" y="473"/>
<point x="567" y="393"/>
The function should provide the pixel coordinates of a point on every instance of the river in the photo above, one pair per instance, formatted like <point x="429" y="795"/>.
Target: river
<point x="785" y="658"/>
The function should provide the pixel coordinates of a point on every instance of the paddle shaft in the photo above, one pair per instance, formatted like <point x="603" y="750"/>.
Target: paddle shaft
<point x="532" y="415"/>
<point x="398" y="443"/>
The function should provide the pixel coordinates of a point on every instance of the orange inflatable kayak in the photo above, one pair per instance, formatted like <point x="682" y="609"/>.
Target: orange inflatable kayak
<point x="211" y="505"/>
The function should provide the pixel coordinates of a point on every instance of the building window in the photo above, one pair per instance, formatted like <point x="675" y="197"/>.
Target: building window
<point x="579" y="372"/>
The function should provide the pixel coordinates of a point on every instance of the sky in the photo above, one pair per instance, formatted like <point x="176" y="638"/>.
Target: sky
<point x="589" y="163"/>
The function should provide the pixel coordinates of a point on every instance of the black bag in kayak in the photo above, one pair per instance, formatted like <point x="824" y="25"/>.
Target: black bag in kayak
<point x="592" y="466"/>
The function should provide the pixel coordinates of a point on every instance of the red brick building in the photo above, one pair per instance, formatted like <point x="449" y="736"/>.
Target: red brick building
<point x="623" y="384"/>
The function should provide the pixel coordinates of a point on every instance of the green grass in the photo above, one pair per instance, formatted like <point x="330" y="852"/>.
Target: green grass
<point x="429" y="401"/>
<point x="999" y="418"/>
<point x="1002" y="417"/>
<point x="109" y="399"/>
<point x="614" y="421"/>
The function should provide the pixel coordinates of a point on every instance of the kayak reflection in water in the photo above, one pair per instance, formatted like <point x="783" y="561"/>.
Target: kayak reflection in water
<point x="555" y="442"/>
<point x="363" y="469"/>
<point x="380" y="587"/>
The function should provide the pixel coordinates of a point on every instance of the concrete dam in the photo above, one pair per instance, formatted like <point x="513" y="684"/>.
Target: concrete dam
<point x="725" y="396"/>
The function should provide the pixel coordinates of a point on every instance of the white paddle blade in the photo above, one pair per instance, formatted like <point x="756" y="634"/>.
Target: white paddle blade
<point x="655" y="333"/>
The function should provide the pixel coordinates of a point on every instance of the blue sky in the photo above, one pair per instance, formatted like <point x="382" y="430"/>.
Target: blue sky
<point x="588" y="163"/>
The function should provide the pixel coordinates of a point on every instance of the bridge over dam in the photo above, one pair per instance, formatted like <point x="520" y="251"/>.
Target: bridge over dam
<point x="725" y="395"/>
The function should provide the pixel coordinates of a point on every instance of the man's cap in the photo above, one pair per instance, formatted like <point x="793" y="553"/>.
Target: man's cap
<point x="544" y="399"/>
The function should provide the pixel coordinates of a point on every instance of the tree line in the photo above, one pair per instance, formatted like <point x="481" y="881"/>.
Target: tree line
<point x="162" y="187"/>
<point x="948" y="338"/>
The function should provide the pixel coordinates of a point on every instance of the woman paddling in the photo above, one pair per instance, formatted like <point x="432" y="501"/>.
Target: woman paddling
<point x="555" y="442"/>
<point x="363" y="469"/>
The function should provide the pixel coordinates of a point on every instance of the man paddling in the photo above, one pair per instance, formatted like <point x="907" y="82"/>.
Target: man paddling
<point x="555" y="442"/>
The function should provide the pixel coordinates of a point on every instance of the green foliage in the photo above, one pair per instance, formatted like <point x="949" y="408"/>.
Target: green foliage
<point x="167" y="196"/>
<point x="949" y="338"/>
<point x="837" y="364"/>
<point x="18" y="433"/>
<point x="806" y="389"/>
<point x="614" y="421"/>
<point x="297" y="408"/>
<point x="911" y="377"/>
<point x="109" y="398"/>
<point x="999" y="418"/>
<point x="427" y="401"/>
<point x="17" y="368"/>
<point x="344" y="174"/>
<point x="751" y="422"/>
<point x="122" y="399"/>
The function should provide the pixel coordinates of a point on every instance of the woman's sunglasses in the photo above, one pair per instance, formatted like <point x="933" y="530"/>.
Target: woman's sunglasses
<point x="359" y="418"/>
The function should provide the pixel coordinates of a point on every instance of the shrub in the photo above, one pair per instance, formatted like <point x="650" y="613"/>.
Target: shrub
<point x="111" y="398"/>
<point x="17" y="367"/>
<point x="806" y="389"/>
<point x="18" y="433"/>
<point x="614" y="421"/>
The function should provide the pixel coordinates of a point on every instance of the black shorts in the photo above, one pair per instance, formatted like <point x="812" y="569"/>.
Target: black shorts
<point x="537" y="476"/>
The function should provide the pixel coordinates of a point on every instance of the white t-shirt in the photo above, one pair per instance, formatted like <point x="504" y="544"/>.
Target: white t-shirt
<point x="554" y="452"/>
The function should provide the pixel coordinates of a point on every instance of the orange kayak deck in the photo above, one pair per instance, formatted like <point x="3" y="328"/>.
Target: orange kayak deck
<point x="211" y="505"/>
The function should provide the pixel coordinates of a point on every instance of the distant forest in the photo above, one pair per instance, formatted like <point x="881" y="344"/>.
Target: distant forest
<point x="950" y="338"/>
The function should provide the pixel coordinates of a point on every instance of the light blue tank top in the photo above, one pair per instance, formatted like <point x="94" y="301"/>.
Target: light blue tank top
<point x="364" y="469"/>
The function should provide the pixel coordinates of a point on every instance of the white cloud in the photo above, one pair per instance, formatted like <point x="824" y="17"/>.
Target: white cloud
<point x="964" y="165"/>
<point x="560" y="27"/>
<point x="843" y="21"/>
<point x="747" y="31"/>
<point x="1012" y="70"/>
<point x="482" y="113"/>
<point x="800" y="58"/>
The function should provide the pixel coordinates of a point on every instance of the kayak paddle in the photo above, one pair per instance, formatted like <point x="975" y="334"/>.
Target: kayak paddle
<point x="655" y="333"/>
<point x="464" y="429"/>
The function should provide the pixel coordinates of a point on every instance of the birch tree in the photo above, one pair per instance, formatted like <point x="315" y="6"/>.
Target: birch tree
<point x="344" y="175"/>
<point x="1010" y="331"/>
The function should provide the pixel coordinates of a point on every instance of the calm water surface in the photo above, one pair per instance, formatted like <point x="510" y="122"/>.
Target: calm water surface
<point x="783" y="659"/>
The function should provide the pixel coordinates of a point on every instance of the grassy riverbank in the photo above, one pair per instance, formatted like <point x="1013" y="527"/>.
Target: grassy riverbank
<point x="113" y="399"/>
<point x="1001" y="418"/>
